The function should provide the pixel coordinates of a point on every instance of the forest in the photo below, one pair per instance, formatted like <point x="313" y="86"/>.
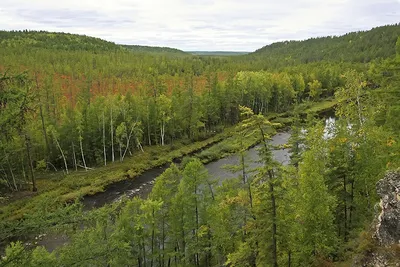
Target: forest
<point x="79" y="114"/>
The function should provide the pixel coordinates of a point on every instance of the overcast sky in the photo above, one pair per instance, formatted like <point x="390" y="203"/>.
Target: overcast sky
<point x="238" y="25"/>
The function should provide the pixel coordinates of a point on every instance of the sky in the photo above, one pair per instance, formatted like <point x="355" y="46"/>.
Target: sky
<point x="205" y="25"/>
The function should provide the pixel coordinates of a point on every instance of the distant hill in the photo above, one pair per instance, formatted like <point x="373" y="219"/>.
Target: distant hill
<point x="55" y="40"/>
<point x="362" y="46"/>
<point x="217" y="53"/>
<point x="154" y="49"/>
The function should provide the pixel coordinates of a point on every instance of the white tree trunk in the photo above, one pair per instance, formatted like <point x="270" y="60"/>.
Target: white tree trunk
<point x="62" y="154"/>
<point x="120" y="151"/>
<point x="139" y="144"/>
<point x="162" y="132"/>
<point x="83" y="156"/>
<point x="127" y="143"/>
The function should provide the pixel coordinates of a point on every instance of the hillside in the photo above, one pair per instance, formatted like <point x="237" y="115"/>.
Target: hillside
<point x="86" y="125"/>
<point x="72" y="42"/>
<point x="154" y="49"/>
<point x="362" y="46"/>
<point x="217" y="53"/>
<point x="54" y="41"/>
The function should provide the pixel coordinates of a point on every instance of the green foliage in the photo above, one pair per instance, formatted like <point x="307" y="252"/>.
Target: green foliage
<point x="315" y="88"/>
<point x="95" y="103"/>
<point x="155" y="49"/>
<point x="15" y="255"/>
<point x="315" y="203"/>
<point x="56" y="41"/>
<point x="362" y="46"/>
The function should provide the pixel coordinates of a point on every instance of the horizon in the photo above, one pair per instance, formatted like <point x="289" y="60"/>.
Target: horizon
<point x="213" y="25"/>
<point x="208" y="51"/>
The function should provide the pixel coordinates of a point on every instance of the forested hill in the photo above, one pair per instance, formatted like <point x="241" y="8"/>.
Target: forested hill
<point x="154" y="49"/>
<point x="55" y="41"/>
<point x="73" y="42"/>
<point x="78" y="114"/>
<point x="362" y="46"/>
<point x="217" y="53"/>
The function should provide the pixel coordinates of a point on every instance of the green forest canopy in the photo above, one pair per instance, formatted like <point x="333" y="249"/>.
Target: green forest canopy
<point x="71" y="103"/>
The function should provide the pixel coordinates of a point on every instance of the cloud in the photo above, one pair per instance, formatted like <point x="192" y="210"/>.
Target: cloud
<point x="199" y="24"/>
<point x="67" y="18"/>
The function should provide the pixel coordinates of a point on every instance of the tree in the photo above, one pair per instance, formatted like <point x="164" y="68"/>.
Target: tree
<point x="164" y="190"/>
<point x="120" y="135"/>
<point x="53" y="132"/>
<point x="315" y="205"/>
<point x="195" y="195"/>
<point x="298" y="86"/>
<point x="268" y="180"/>
<point x="315" y="88"/>
<point x="79" y="121"/>
<point x="350" y="99"/>
<point x="16" y="102"/>
<point x="164" y="107"/>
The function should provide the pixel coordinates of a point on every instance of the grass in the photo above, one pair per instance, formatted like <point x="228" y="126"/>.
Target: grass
<point x="321" y="107"/>
<point x="250" y="137"/>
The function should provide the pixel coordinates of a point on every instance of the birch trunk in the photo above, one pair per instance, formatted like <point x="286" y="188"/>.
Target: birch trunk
<point x="120" y="151"/>
<point x="127" y="143"/>
<point x="83" y="156"/>
<point x="162" y="133"/>
<point x="62" y="154"/>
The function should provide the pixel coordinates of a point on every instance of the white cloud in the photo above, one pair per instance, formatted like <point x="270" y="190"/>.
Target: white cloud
<point x="199" y="24"/>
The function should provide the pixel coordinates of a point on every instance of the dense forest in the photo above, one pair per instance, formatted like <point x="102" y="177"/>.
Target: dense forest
<point x="363" y="46"/>
<point x="78" y="113"/>
<point x="152" y="49"/>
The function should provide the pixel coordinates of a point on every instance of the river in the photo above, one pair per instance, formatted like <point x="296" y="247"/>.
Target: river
<point x="142" y="185"/>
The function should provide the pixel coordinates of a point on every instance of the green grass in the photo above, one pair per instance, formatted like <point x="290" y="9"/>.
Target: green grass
<point x="286" y="118"/>
<point x="318" y="107"/>
<point x="250" y="136"/>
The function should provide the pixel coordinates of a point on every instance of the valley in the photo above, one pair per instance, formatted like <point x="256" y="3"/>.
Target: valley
<point x="128" y="155"/>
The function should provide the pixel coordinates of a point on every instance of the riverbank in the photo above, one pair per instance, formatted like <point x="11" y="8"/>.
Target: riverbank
<point x="209" y="150"/>
<point x="61" y="189"/>
<point x="65" y="188"/>
<point x="142" y="186"/>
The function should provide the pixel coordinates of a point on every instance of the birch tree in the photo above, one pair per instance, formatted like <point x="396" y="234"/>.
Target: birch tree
<point x="164" y="108"/>
<point x="53" y="132"/>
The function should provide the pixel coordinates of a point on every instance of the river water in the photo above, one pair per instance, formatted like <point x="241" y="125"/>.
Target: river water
<point x="216" y="169"/>
<point x="142" y="185"/>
